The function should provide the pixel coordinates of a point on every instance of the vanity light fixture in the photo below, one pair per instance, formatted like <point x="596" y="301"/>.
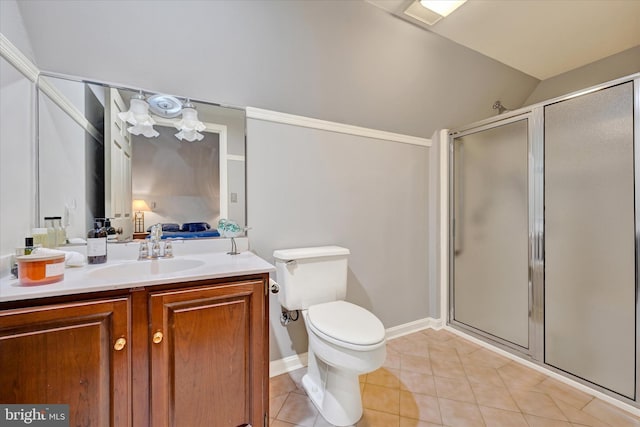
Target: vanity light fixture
<point x="189" y="126"/>
<point x="138" y="116"/>
<point x="139" y="207"/>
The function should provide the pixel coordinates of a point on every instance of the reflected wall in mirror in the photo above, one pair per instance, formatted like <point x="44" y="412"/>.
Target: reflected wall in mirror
<point x="92" y="166"/>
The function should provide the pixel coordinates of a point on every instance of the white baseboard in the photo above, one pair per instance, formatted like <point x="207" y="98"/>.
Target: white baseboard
<point x="297" y="361"/>
<point x="411" y="327"/>
<point x="287" y="364"/>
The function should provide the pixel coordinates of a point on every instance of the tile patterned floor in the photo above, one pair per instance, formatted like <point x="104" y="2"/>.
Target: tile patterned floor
<point x="435" y="378"/>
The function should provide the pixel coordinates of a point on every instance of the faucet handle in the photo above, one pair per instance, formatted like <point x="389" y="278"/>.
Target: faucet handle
<point x="168" y="249"/>
<point x="143" y="253"/>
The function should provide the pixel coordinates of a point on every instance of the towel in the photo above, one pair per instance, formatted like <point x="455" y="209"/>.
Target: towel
<point x="71" y="258"/>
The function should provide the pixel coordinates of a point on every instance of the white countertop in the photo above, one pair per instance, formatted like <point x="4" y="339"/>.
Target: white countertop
<point x="131" y="273"/>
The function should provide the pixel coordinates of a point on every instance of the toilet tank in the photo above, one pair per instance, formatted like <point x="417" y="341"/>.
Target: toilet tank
<point x="309" y="276"/>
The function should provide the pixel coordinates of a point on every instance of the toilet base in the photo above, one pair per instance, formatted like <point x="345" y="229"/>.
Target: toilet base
<point x="338" y="400"/>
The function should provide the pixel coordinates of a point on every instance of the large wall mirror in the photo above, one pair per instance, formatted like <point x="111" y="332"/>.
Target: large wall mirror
<point x="92" y="163"/>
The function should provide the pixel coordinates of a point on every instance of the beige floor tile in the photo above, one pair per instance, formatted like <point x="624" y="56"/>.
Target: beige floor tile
<point x="444" y="354"/>
<point x="438" y="379"/>
<point x="420" y="407"/>
<point x="538" y="404"/>
<point x="516" y="376"/>
<point x="275" y="404"/>
<point x="561" y="391"/>
<point x="485" y="357"/>
<point x="610" y="414"/>
<point x="534" y="421"/>
<point x="371" y="418"/>
<point x="494" y="397"/>
<point x="500" y="418"/>
<point x="480" y="374"/>
<point x="384" y="377"/>
<point x="282" y="384"/>
<point x="454" y="389"/>
<point x="461" y="414"/>
<point x="417" y="383"/>
<point x="579" y="417"/>
<point x="380" y="398"/>
<point x="392" y="361"/>
<point x="298" y="409"/>
<point x="438" y="335"/>
<point x="413" y="363"/>
<point x="401" y="345"/>
<point x="410" y="422"/>
<point x="448" y="369"/>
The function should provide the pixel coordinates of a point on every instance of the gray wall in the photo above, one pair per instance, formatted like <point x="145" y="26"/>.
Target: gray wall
<point x="610" y="68"/>
<point x="344" y="61"/>
<point x="365" y="194"/>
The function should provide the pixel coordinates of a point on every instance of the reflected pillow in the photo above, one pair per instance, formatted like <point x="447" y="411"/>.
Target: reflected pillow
<point x="167" y="227"/>
<point x="193" y="227"/>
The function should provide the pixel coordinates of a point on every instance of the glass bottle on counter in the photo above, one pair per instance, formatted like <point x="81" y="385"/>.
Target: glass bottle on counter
<point x="52" y="240"/>
<point x="112" y="236"/>
<point x="61" y="235"/>
<point x="97" y="245"/>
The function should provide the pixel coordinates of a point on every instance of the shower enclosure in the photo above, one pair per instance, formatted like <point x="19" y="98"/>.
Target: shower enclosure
<point x="544" y="234"/>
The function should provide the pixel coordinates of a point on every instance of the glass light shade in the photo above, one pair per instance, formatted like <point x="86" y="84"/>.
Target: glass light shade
<point x="144" y="130"/>
<point x="138" y="115"/>
<point x="442" y="7"/>
<point x="189" y="126"/>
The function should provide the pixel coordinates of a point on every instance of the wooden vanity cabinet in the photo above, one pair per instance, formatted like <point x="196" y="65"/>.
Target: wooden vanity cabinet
<point x="208" y="365"/>
<point x="73" y="353"/>
<point x="194" y="354"/>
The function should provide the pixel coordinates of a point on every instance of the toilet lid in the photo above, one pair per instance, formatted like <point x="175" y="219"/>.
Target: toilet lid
<point x="346" y="322"/>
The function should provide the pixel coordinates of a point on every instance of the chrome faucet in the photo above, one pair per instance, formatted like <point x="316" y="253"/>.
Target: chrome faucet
<point x="158" y="249"/>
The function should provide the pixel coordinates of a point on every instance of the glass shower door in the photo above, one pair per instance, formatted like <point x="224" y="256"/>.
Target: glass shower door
<point x="590" y="259"/>
<point x="490" y="232"/>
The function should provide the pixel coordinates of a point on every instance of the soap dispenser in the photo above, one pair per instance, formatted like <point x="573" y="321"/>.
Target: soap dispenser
<point x="97" y="244"/>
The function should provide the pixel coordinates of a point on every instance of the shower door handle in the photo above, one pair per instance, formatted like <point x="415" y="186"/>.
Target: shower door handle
<point x="458" y="190"/>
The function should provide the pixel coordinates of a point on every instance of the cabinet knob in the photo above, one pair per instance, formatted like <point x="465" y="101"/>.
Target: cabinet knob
<point x="119" y="344"/>
<point x="157" y="337"/>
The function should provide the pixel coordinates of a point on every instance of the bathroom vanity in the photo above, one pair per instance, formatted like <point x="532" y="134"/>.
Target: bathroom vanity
<point x="175" y="342"/>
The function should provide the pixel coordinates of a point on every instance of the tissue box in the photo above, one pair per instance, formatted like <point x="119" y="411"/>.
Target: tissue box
<point x="40" y="269"/>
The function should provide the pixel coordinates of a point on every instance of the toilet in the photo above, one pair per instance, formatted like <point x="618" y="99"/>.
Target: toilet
<point x="345" y="340"/>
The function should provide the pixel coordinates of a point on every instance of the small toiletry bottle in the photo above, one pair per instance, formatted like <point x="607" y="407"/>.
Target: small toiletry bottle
<point x="52" y="240"/>
<point x="97" y="245"/>
<point x="28" y="245"/>
<point x="40" y="237"/>
<point x="61" y="235"/>
<point x="111" y="232"/>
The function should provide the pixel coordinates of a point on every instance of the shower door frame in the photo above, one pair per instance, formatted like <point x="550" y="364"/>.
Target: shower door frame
<point x="535" y="188"/>
<point x="535" y="173"/>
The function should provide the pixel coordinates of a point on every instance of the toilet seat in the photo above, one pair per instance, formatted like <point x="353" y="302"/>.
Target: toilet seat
<point x="346" y="325"/>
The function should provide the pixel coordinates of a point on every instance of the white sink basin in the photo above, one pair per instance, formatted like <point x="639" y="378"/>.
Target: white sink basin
<point x="154" y="267"/>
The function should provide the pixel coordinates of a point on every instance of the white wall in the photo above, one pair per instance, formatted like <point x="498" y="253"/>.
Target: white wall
<point x="16" y="151"/>
<point x="310" y="187"/>
<point x="17" y="177"/>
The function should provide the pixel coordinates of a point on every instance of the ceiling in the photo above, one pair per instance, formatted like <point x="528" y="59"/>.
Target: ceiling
<point x="542" y="38"/>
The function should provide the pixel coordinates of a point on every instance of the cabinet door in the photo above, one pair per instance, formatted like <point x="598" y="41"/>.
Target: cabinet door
<point x="64" y="354"/>
<point x="208" y="356"/>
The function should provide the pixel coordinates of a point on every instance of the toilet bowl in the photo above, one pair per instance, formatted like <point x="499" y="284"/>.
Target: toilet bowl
<point x="345" y="340"/>
<point x="337" y="355"/>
